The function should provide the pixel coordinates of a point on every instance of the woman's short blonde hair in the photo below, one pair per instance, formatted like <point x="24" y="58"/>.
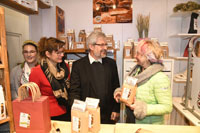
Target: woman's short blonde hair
<point x="151" y="49"/>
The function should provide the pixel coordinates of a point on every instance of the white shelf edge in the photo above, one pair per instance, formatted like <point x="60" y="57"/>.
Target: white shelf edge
<point x="183" y="14"/>
<point x="184" y="35"/>
<point x="179" y="58"/>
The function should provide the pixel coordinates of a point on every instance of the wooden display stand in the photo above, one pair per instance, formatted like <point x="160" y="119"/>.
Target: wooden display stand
<point x="4" y="69"/>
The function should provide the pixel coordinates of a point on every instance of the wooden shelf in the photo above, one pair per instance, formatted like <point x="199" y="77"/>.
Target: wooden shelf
<point x="75" y="51"/>
<point x="5" y="120"/>
<point x="18" y="7"/>
<point x="43" y="5"/>
<point x="177" y="104"/>
<point x="176" y="80"/>
<point x="179" y="58"/>
<point x="184" y="14"/>
<point x="185" y="35"/>
<point x="179" y="81"/>
<point x="1" y="66"/>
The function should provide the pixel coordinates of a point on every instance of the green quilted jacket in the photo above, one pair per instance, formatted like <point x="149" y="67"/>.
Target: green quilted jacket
<point x="156" y="92"/>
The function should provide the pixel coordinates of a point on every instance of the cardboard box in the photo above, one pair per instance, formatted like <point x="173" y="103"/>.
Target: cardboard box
<point x="80" y="45"/>
<point x="65" y="40"/>
<point x="164" y="46"/>
<point x="82" y="36"/>
<point x="128" y="52"/>
<point x="71" y="38"/>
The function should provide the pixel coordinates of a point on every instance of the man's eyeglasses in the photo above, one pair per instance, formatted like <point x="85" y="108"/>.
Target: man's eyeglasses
<point x="101" y="45"/>
<point x="29" y="52"/>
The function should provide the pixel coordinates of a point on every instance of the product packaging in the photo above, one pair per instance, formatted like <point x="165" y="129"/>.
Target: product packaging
<point x="2" y="104"/>
<point x="94" y="114"/>
<point x="79" y="117"/>
<point x="129" y="90"/>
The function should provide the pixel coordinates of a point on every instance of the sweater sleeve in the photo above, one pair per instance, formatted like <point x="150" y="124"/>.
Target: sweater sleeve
<point x="34" y="76"/>
<point x="162" y="93"/>
<point x="75" y="84"/>
<point x="116" y="85"/>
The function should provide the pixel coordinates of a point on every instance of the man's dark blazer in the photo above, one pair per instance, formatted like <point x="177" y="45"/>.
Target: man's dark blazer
<point x="82" y="85"/>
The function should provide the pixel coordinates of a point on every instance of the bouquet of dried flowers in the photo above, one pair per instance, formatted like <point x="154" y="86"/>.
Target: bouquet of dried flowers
<point x="146" y="20"/>
<point x="140" y="26"/>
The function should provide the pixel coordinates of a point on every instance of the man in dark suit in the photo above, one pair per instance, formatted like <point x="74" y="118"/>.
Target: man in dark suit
<point x="95" y="75"/>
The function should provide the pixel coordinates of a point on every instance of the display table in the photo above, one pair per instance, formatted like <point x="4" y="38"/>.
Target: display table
<point x="65" y="127"/>
<point x="132" y="128"/>
<point x="187" y="114"/>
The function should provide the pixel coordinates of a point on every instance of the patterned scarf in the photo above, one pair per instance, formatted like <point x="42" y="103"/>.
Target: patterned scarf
<point x="58" y="78"/>
<point x="25" y="74"/>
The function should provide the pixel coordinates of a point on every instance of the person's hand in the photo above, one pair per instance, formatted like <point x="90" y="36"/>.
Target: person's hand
<point x="114" y="116"/>
<point x="117" y="94"/>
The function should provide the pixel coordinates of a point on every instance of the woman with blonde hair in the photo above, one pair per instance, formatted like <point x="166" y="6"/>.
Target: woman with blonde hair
<point x="52" y="76"/>
<point x="153" y="96"/>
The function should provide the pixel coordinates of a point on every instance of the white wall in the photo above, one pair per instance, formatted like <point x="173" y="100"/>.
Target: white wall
<point x="78" y="15"/>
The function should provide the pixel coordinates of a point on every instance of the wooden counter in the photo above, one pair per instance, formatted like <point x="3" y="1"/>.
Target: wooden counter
<point x="65" y="127"/>
<point x="132" y="128"/>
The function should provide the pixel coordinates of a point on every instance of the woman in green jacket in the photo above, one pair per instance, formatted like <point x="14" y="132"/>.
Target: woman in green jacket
<point x="153" y="95"/>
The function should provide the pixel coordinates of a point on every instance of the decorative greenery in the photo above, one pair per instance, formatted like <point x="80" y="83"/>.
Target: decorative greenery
<point x="140" y="26"/>
<point x="146" y="20"/>
<point x="189" y="6"/>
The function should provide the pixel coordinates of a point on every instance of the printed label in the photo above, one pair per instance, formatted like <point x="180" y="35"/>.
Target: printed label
<point x="76" y="124"/>
<point x="24" y="120"/>
<point x="91" y="120"/>
<point x="126" y="93"/>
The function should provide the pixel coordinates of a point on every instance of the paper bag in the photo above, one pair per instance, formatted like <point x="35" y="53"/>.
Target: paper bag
<point x="129" y="90"/>
<point x="79" y="117"/>
<point x="31" y="114"/>
<point x="94" y="114"/>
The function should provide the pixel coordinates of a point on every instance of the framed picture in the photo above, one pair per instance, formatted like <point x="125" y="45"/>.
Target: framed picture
<point x="60" y="22"/>
<point x="112" y="11"/>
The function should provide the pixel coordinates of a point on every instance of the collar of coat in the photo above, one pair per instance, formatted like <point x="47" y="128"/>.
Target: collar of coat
<point x="145" y="75"/>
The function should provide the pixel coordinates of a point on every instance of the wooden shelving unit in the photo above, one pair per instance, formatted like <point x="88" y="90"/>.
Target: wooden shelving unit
<point x="84" y="51"/>
<point x="75" y="51"/>
<point x="18" y="7"/>
<point x="4" y="68"/>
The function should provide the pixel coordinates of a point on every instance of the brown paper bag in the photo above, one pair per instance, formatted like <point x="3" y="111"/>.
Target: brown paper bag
<point x="79" y="117"/>
<point x="129" y="89"/>
<point x="31" y="114"/>
<point x="128" y="94"/>
<point x="94" y="120"/>
<point x="94" y="114"/>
